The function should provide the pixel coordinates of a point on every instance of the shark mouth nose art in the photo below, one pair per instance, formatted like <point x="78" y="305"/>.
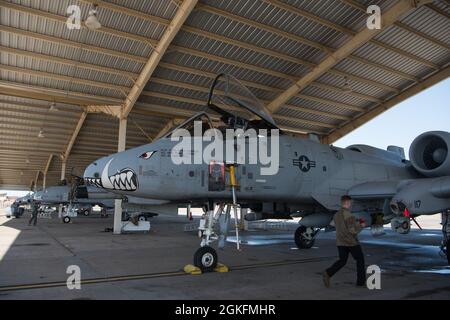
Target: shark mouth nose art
<point x="96" y="182"/>
<point x="124" y="180"/>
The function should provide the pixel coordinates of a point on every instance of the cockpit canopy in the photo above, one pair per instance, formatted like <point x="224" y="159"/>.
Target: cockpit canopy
<point x="231" y="98"/>
<point x="236" y="105"/>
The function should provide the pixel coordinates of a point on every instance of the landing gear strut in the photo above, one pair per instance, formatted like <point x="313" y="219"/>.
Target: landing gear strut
<point x="305" y="237"/>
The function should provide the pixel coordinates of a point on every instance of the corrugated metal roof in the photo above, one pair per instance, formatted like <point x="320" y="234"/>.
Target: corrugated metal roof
<point x="264" y="43"/>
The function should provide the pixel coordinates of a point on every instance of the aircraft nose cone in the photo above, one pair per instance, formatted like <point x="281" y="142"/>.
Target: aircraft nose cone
<point x="92" y="174"/>
<point x="113" y="173"/>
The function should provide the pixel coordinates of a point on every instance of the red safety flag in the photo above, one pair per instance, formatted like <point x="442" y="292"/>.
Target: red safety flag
<point x="406" y="213"/>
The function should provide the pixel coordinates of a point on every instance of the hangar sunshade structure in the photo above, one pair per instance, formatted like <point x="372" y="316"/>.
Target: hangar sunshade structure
<point x="69" y="96"/>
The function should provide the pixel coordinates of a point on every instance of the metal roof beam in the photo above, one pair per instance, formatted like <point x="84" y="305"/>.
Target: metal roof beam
<point x="297" y="38"/>
<point x="307" y="15"/>
<point x="153" y="42"/>
<point x="389" y="17"/>
<point x="55" y="76"/>
<point x="131" y="12"/>
<point x="262" y="26"/>
<point x="438" y="10"/>
<point x="274" y="73"/>
<point x="55" y="95"/>
<point x="37" y="114"/>
<point x="331" y="25"/>
<point x="191" y="52"/>
<point x="36" y="179"/>
<point x="63" y="19"/>
<point x="104" y="69"/>
<point x="166" y="65"/>
<point x="104" y="141"/>
<point x="47" y="167"/>
<point x="42" y="151"/>
<point x="38" y="106"/>
<point x="33" y="122"/>
<point x="74" y="136"/>
<point x="171" y="31"/>
<point x="49" y="162"/>
<point x="74" y="44"/>
<point x="411" y="91"/>
<point x="363" y="9"/>
<point x="423" y="35"/>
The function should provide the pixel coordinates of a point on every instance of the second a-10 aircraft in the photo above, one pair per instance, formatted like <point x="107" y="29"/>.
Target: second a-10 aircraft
<point x="82" y="197"/>
<point x="309" y="179"/>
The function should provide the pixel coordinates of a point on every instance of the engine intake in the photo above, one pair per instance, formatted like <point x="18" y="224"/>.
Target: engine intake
<point x="429" y="153"/>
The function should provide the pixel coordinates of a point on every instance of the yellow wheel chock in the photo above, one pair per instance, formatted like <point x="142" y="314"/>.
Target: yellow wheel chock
<point x="193" y="270"/>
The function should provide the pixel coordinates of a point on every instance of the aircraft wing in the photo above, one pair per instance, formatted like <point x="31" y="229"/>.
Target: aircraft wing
<point x="374" y="190"/>
<point x="414" y="196"/>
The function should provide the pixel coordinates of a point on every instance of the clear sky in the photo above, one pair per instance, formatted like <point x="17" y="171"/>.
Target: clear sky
<point x="426" y="111"/>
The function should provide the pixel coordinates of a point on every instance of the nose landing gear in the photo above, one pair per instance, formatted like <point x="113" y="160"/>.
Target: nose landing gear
<point x="206" y="257"/>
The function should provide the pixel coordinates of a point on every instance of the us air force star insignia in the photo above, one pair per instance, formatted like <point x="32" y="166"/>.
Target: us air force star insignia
<point x="304" y="163"/>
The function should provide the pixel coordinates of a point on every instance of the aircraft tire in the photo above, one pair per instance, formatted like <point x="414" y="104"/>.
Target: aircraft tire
<point x="205" y="258"/>
<point x="142" y="218"/>
<point x="301" y="241"/>
<point x="86" y="212"/>
<point x="66" y="219"/>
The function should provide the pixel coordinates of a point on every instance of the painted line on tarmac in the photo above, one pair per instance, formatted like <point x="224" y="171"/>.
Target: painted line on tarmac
<point x="156" y="275"/>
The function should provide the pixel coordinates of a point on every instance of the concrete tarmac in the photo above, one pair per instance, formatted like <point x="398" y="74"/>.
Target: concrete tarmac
<point x="268" y="267"/>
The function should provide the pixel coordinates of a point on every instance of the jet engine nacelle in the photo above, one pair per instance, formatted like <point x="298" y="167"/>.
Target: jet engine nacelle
<point x="423" y="196"/>
<point x="429" y="153"/>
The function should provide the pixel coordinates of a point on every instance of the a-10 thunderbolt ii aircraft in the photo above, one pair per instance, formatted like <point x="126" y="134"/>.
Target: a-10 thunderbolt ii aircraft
<point x="16" y="208"/>
<point x="80" y="196"/>
<point x="308" y="181"/>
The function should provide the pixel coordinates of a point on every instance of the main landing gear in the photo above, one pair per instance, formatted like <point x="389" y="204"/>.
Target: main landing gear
<point x="305" y="237"/>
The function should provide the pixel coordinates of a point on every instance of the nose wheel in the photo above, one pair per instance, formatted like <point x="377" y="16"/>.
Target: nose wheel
<point x="206" y="259"/>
